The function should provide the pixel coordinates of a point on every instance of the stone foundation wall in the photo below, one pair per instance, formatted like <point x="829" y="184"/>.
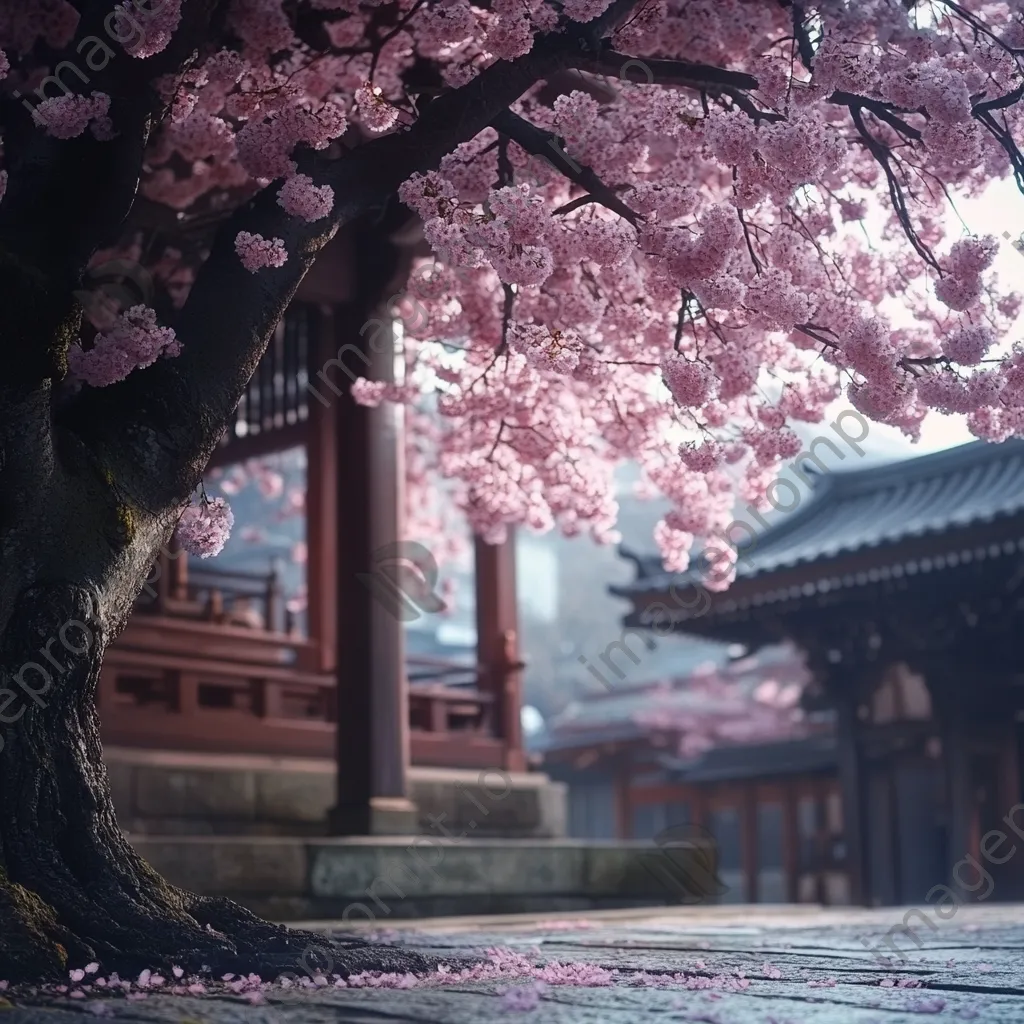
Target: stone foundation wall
<point x="165" y="793"/>
<point x="377" y="879"/>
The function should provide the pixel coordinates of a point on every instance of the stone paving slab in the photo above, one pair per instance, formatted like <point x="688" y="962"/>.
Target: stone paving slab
<point x="783" y="965"/>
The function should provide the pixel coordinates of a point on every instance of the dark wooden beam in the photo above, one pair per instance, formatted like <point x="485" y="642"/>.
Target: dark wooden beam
<point x="749" y="839"/>
<point x="324" y="525"/>
<point x="791" y="839"/>
<point x="852" y="783"/>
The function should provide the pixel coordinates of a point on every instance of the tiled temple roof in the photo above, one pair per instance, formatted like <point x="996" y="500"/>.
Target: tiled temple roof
<point x="849" y="512"/>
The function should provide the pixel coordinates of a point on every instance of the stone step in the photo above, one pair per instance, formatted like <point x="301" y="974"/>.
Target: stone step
<point x="380" y="878"/>
<point x="177" y="793"/>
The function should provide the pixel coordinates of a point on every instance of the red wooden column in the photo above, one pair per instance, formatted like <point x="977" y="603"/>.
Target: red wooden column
<point x="331" y="283"/>
<point x="373" y="705"/>
<point x="497" y="643"/>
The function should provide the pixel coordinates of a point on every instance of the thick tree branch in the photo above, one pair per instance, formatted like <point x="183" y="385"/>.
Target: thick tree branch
<point x="657" y="71"/>
<point x="160" y="425"/>
<point x="705" y="78"/>
<point x="803" y="39"/>
<point x="883" y="111"/>
<point x="1000" y="102"/>
<point x="538" y="142"/>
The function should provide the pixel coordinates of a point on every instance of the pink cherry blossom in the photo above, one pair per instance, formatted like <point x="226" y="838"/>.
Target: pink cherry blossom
<point x="68" y="116"/>
<point x="300" y="197"/>
<point x="157" y="22"/>
<point x="554" y="350"/>
<point x="133" y="341"/>
<point x="257" y="252"/>
<point x="368" y="392"/>
<point x="699" y="270"/>
<point x="203" y="529"/>
<point x="374" y="110"/>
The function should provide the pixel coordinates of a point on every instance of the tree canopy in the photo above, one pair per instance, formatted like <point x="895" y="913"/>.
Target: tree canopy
<point x="661" y="230"/>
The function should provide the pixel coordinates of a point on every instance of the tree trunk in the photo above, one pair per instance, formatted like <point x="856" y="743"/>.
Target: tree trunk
<point x="72" y="889"/>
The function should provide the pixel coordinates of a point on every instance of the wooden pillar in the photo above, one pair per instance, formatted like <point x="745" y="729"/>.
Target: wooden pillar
<point x="373" y="712"/>
<point x="791" y="839"/>
<point x="1009" y="876"/>
<point x="497" y="640"/>
<point x="1010" y="790"/>
<point x="954" y="719"/>
<point x="959" y="787"/>
<point x="323" y="524"/>
<point x="178" y="558"/>
<point x="852" y="784"/>
<point x="699" y="807"/>
<point x="824" y="841"/>
<point x="748" y="839"/>
<point x="623" y="797"/>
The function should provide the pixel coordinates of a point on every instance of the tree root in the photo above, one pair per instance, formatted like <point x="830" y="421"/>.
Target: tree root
<point x="203" y="936"/>
<point x="73" y="891"/>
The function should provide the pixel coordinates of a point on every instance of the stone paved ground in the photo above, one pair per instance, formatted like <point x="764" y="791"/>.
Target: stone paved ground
<point x="782" y="965"/>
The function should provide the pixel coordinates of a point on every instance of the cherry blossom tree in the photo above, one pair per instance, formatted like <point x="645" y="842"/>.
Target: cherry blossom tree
<point x="661" y="230"/>
<point x="719" y="707"/>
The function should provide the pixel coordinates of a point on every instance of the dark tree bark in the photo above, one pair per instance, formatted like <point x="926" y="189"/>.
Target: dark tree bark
<point x="91" y="489"/>
<point x="72" y="889"/>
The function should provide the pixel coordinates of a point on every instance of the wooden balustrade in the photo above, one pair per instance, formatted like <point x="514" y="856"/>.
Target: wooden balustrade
<point x="452" y="721"/>
<point x="251" y="599"/>
<point x="190" y="674"/>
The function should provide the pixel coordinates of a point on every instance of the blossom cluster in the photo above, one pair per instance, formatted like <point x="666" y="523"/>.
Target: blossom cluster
<point x="133" y="340"/>
<point x="257" y="252"/>
<point x="203" y="529"/>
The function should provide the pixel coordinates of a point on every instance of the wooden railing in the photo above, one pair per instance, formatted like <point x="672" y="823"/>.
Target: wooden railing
<point x="273" y="412"/>
<point x="225" y="597"/>
<point x="205" y="665"/>
<point x="452" y="721"/>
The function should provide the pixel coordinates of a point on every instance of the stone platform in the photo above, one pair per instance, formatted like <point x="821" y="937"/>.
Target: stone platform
<point x="724" y="965"/>
<point x="379" y="879"/>
<point x="179" y="793"/>
<point x="253" y="829"/>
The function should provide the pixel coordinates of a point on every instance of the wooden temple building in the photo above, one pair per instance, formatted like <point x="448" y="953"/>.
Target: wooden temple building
<point x="213" y="665"/>
<point x="705" y="750"/>
<point x="903" y="586"/>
